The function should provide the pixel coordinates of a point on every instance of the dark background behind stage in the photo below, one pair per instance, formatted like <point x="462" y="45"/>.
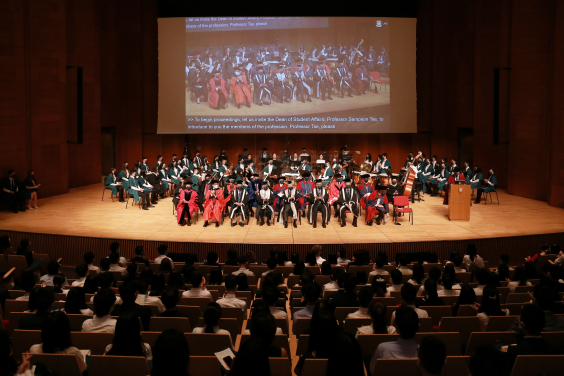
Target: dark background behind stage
<point x="459" y="43"/>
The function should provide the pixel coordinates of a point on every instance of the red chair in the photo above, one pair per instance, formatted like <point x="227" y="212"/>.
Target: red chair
<point x="376" y="80"/>
<point x="401" y="205"/>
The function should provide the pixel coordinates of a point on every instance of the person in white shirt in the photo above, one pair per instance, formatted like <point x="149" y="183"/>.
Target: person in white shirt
<point x="490" y="306"/>
<point x="163" y="250"/>
<point x="448" y="282"/>
<point x="457" y="261"/>
<point x="270" y="295"/>
<point x="472" y="256"/>
<point x="342" y="259"/>
<point x="88" y="260"/>
<point x="104" y="303"/>
<point x="271" y="263"/>
<point x="230" y="297"/>
<point x="212" y="314"/>
<point x="519" y="279"/>
<point x="198" y="289"/>
<point x="53" y="268"/>
<point x="56" y="338"/>
<point x="114" y="263"/>
<point x="403" y="262"/>
<point x="376" y="311"/>
<point x="144" y="299"/>
<point x="396" y="278"/>
<point x="317" y="251"/>
<point x="408" y="296"/>
<point x="243" y="265"/>
<point x="127" y="338"/>
<point x="114" y="247"/>
<point x="365" y="296"/>
<point x="82" y="272"/>
<point x="378" y="269"/>
<point x="435" y="275"/>
<point x="333" y="285"/>
<point x="483" y="277"/>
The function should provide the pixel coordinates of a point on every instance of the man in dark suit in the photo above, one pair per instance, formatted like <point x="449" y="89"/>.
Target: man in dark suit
<point x="11" y="195"/>
<point x="531" y="323"/>
<point x="345" y="296"/>
<point x="169" y="299"/>
<point x="128" y="293"/>
<point x="139" y="253"/>
<point x="44" y="299"/>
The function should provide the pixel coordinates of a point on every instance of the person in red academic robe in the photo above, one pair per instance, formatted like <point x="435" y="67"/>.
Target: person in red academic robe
<point x="217" y="93"/>
<point x="362" y="79"/>
<point x="454" y="177"/>
<point x="278" y="192"/>
<point x="376" y="205"/>
<point x="304" y="188"/>
<point x="365" y="188"/>
<point x="187" y="204"/>
<point x="334" y="190"/>
<point x="240" y="88"/>
<point x="213" y="206"/>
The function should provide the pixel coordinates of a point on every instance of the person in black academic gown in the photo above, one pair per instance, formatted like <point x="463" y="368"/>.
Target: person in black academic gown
<point x="11" y="194"/>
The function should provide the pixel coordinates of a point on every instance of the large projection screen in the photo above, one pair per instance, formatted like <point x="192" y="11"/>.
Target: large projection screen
<point x="366" y="65"/>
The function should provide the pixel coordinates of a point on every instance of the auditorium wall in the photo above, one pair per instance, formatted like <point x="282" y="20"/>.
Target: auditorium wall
<point x="458" y="46"/>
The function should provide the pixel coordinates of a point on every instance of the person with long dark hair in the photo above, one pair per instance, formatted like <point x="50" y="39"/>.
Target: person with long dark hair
<point x="418" y="277"/>
<point x="519" y="279"/>
<point x="490" y="306"/>
<point x="264" y="327"/>
<point x="467" y="297"/>
<point x="377" y="312"/>
<point x="76" y="302"/>
<point x="345" y="357"/>
<point x="127" y="338"/>
<point x="431" y="295"/>
<point x="56" y="338"/>
<point x="212" y="314"/>
<point x="23" y="250"/>
<point x="252" y="359"/>
<point x="171" y="354"/>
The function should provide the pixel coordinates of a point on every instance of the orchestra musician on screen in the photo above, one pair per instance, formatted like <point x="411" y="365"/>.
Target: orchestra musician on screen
<point x="289" y="188"/>
<point x="275" y="72"/>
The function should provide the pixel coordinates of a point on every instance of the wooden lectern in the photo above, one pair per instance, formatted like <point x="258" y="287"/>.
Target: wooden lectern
<point x="459" y="202"/>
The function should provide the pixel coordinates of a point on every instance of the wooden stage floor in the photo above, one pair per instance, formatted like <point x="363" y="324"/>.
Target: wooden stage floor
<point x="82" y="213"/>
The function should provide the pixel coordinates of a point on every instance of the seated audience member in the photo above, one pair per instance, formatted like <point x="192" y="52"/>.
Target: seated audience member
<point x="264" y="327"/>
<point x="519" y="279"/>
<point x="310" y="292"/>
<point x="144" y="299"/>
<point x="467" y="297"/>
<point x="272" y="253"/>
<point x="418" y="277"/>
<point x="379" y="287"/>
<point x="128" y="293"/>
<point x="252" y="359"/>
<point x="435" y="275"/>
<point x="343" y="260"/>
<point x="56" y="338"/>
<point x="212" y="314"/>
<point x="114" y="263"/>
<point x="163" y="251"/>
<point x="333" y="285"/>
<point x="91" y="285"/>
<point x="403" y="262"/>
<point x="490" y="306"/>
<point x="114" y="247"/>
<point x="105" y="281"/>
<point x="408" y="296"/>
<point x="296" y="293"/>
<point x="104" y="303"/>
<point x="104" y="265"/>
<point x="345" y="296"/>
<point x="532" y="322"/>
<point x="299" y="268"/>
<point x="483" y="277"/>
<point x="53" y="268"/>
<point x="216" y="277"/>
<point x="177" y="280"/>
<point x="43" y="301"/>
<point x="317" y="252"/>
<point x="242" y="282"/>
<point x="270" y="295"/>
<point x="28" y="281"/>
<point x="282" y="258"/>
<point x="82" y="272"/>
<point x="431" y="295"/>
<point x="325" y="268"/>
<point x="378" y="267"/>
<point x="365" y="296"/>
<point x="170" y="299"/>
<point x="88" y="260"/>
<point x="310" y="259"/>
<point x="130" y="274"/>
<point x="488" y="360"/>
<point x="230" y="298"/>
<point x="171" y="354"/>
<point x="211" y="258"/>
<point x="158" y="285"/>
<point x="345" y="357"/>
<point x="198" y="289"/>
<point x="166" y="266"/>
<point x="139" y="256"/>
<point x="377" y="312"/>
<point x="432" y="356"/>
<point x="323" y="330"/>
<point x="545" y="298"/>
<point x="361" y="278"/>
<point x="407" y="324"/>
<point x="243" y="266"/>
<point x="457" y="261"/>
<point x="127" y="338"/>
<point x="271" y="263"/>
<point x="9" y="365"/>
<point x="75" y="304"/>
<point x="58" y="283"/>
<point x="259" y="307"/>
<point x="396" y="280"/>
<point x="448" y="283"/>
<point x="231" y="257"/>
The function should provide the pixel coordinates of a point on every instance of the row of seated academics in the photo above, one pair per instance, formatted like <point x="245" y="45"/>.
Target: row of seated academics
<point x="452" y="317"/>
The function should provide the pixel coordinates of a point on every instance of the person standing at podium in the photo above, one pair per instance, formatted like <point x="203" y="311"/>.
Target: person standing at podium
<point x="455" y="176"/>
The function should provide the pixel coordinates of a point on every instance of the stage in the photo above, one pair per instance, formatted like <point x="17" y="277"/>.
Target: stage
<point x="82" y="213"/>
